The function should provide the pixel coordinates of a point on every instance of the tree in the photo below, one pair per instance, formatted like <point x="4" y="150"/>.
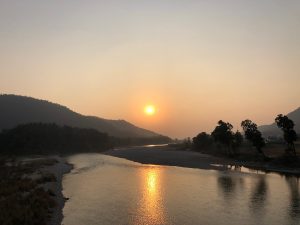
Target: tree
<point x="289" y="134"/>
<point x="224" y="135"/>
<point x="253" y="135"/>
<point x="202" y="140"/>
<point x="237" y="141"/>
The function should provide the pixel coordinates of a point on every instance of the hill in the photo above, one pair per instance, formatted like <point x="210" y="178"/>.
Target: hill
<point x="273" y="130"/>
<point x="16" y="110"/>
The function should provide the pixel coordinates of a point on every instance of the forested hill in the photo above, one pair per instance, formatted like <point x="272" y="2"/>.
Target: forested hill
<point x="16" y="110"/>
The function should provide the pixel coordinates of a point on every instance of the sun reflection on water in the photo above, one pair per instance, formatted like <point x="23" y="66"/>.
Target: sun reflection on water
<point x="151" y="181"/>
<point x="151" y="205"/>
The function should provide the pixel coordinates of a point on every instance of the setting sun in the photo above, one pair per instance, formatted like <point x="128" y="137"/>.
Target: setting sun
<point x="150" y="110"/>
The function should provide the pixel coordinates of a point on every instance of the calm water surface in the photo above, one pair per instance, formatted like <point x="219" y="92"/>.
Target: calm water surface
<point x="104" y="190"/>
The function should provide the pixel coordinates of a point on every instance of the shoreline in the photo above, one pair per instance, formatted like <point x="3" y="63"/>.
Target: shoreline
<point x="168" y="156"/>
<point x="161" y="155"/>
<point x="59" y="169"/>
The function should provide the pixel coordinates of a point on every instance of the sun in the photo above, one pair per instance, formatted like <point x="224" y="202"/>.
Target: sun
<point x="149" y="110"/>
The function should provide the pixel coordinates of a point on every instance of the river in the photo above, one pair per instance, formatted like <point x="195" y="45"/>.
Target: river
<point x="105" y="190"/>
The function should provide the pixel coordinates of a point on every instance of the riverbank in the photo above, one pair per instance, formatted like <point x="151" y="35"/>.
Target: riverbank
<point x="58" y="170"/>
<point x="164" y="155"/>
<point x="31" y="190"/>
<point x="169" y="156"/>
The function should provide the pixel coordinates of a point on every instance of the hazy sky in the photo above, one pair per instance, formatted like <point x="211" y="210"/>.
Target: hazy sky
<point x="196" y="61"/>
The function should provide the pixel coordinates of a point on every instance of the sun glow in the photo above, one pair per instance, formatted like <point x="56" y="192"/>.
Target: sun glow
<point x="149" y="110"/>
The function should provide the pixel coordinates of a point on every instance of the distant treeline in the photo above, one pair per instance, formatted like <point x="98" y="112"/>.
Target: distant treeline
<point x="38" y="138"/>
<point x="224" y="137"/>
<point x="41" y="138"/>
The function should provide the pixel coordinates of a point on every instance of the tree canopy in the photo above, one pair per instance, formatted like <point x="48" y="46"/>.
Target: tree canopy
<point x="289" y="134"/>
<point x="253" y="135"/>
<point x="202" y="140"/>
<point x="224" y="135"/>
<point x="237" y="140"/>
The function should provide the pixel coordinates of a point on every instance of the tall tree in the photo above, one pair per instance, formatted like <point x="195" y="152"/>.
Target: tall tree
<point x="289" y="134"/>
<point x="237" y="141"/>
<point x="253" y="135"/>
<point x="224" y="135"/>
<point x="202" y="141"/>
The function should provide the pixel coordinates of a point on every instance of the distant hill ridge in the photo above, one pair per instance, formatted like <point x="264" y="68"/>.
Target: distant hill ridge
<point x="15" y="110"/>
<point x="273" y="130"/>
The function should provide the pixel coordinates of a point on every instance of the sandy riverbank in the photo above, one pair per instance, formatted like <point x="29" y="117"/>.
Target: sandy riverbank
<point x="165" y="155"/>
<point x="58" y="170"/>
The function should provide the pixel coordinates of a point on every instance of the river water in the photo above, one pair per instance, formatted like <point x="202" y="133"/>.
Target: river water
<point x="105" y="190"/>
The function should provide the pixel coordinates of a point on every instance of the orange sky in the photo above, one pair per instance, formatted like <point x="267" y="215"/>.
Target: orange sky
<point x="196" y="61"/>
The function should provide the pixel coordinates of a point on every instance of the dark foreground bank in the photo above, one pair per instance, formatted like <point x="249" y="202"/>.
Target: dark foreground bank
<point x="31" y="190"/>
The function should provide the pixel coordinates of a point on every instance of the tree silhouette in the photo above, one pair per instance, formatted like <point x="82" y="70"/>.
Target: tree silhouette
<point x="202" y="140"/>
<point x="237" y="141"/>
<point x="224" y="135"/>
<point x="253" y="135"/>
<point x="289" y="134"/>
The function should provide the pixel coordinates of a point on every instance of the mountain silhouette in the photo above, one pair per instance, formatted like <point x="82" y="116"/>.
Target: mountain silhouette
<point x="16" y="110"/>
<point x="273" y="130"/>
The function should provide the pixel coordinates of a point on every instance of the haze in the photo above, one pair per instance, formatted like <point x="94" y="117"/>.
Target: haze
<point x="196" y="61"/>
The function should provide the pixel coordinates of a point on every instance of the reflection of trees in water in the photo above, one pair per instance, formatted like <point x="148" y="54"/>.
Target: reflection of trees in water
<point x="228" y="184"/>
<point x="294" y="207"/>
<point x="259" y="195"/>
